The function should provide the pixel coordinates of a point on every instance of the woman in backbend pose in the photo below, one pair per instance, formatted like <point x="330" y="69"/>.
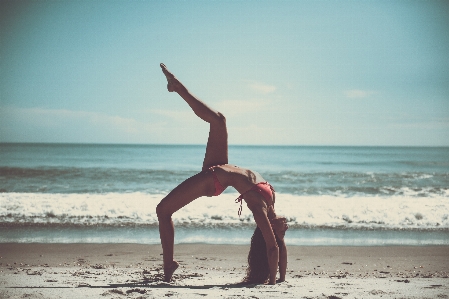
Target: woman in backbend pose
<point x="268" y="250"/>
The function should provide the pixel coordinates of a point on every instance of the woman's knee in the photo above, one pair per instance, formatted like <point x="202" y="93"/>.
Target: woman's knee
<point x="218" y="122"/>
<point x="220" y="118"/>
<point x="162" y="210"/>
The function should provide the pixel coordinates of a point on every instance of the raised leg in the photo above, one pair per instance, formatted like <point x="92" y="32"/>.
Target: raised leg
<point x="189" y="190"/>
<point x="217" y="143"/>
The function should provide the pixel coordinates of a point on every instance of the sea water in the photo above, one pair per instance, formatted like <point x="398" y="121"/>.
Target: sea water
<point x="329" y="195"/>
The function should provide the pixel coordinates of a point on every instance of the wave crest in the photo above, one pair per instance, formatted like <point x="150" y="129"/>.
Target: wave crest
<point x="138" y="209"/>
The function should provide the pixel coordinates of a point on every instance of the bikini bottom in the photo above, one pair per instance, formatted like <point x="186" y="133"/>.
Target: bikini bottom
<point x="218" y="186"/>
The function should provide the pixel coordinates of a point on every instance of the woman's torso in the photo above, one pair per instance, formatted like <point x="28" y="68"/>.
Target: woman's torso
<point x="243" y="180"/>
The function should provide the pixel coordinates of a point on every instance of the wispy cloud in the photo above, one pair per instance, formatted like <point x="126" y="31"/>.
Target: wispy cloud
<point x="233" y="107"/>
<point x="62" y="125"/>
<point x="56" y="117"/>
<point x="262" y="88"/>
<point x="358" y="93"/>
<point x="184" y="115"/>
<point x="228" y="107"/>
<point x="432" y="123"/>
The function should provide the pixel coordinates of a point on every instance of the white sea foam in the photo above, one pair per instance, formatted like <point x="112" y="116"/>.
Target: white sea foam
<point x="356" y="212"/>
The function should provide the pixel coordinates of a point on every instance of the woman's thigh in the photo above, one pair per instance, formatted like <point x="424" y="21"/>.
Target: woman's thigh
<point x="194" y="187"/>
<point x="217" y="145"/>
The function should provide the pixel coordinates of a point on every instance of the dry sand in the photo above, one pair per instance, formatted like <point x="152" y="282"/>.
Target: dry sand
<point x="134" y="271"/>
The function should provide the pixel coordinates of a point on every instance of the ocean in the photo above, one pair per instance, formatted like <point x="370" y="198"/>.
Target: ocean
<point x="65" y="193"/>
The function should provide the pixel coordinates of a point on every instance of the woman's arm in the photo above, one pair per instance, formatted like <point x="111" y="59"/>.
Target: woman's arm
<point x="261" y="218"/>
<point x="273" y="260"/>
<point x="282" y="261"/>
<point x="279" y="225"/>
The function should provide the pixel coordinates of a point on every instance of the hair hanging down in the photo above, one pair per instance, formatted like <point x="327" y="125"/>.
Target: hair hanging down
<point x="258" y="270"/>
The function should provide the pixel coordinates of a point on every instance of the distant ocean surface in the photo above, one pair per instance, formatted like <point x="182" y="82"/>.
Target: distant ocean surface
<point x="330" y="195"/>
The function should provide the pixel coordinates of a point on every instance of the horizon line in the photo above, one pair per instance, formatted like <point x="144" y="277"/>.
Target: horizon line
<point x="197" y="144"/>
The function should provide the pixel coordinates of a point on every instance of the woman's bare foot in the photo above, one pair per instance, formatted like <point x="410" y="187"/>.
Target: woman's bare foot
<point x="173" y="83"/>
<point x="168" y="271"/>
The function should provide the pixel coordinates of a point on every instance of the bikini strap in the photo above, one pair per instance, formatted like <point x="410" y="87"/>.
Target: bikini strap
<point x="239" y="200"/>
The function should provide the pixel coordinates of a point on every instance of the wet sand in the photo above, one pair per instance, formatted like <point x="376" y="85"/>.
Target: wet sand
<point x="134" y="271"/>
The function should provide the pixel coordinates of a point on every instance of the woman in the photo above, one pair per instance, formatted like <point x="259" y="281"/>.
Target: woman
<point x="268" y="249"/>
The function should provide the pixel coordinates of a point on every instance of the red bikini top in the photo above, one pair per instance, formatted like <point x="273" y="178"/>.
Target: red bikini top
<point x="264" y="188"/>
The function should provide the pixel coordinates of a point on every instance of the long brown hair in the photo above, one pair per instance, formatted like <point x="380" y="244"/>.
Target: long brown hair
<point x="258" y="270"/>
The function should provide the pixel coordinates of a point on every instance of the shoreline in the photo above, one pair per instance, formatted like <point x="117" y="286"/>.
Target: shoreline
<point x="40" y="270"/>
<point x="220" y="235"/>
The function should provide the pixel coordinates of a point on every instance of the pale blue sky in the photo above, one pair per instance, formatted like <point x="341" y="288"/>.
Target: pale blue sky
<point x="283" y="72"/>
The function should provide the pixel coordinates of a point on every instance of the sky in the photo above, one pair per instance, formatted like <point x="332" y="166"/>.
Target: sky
<point x="355" y="73"/>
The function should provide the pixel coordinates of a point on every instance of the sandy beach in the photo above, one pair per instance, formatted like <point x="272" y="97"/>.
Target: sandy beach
<point x="134" y="271"/>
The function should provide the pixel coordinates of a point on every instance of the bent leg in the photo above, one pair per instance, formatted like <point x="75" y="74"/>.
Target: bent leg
<point x="199" y="108"/>
<point x="217" y="144"/>
<point x="196" y="186"/>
